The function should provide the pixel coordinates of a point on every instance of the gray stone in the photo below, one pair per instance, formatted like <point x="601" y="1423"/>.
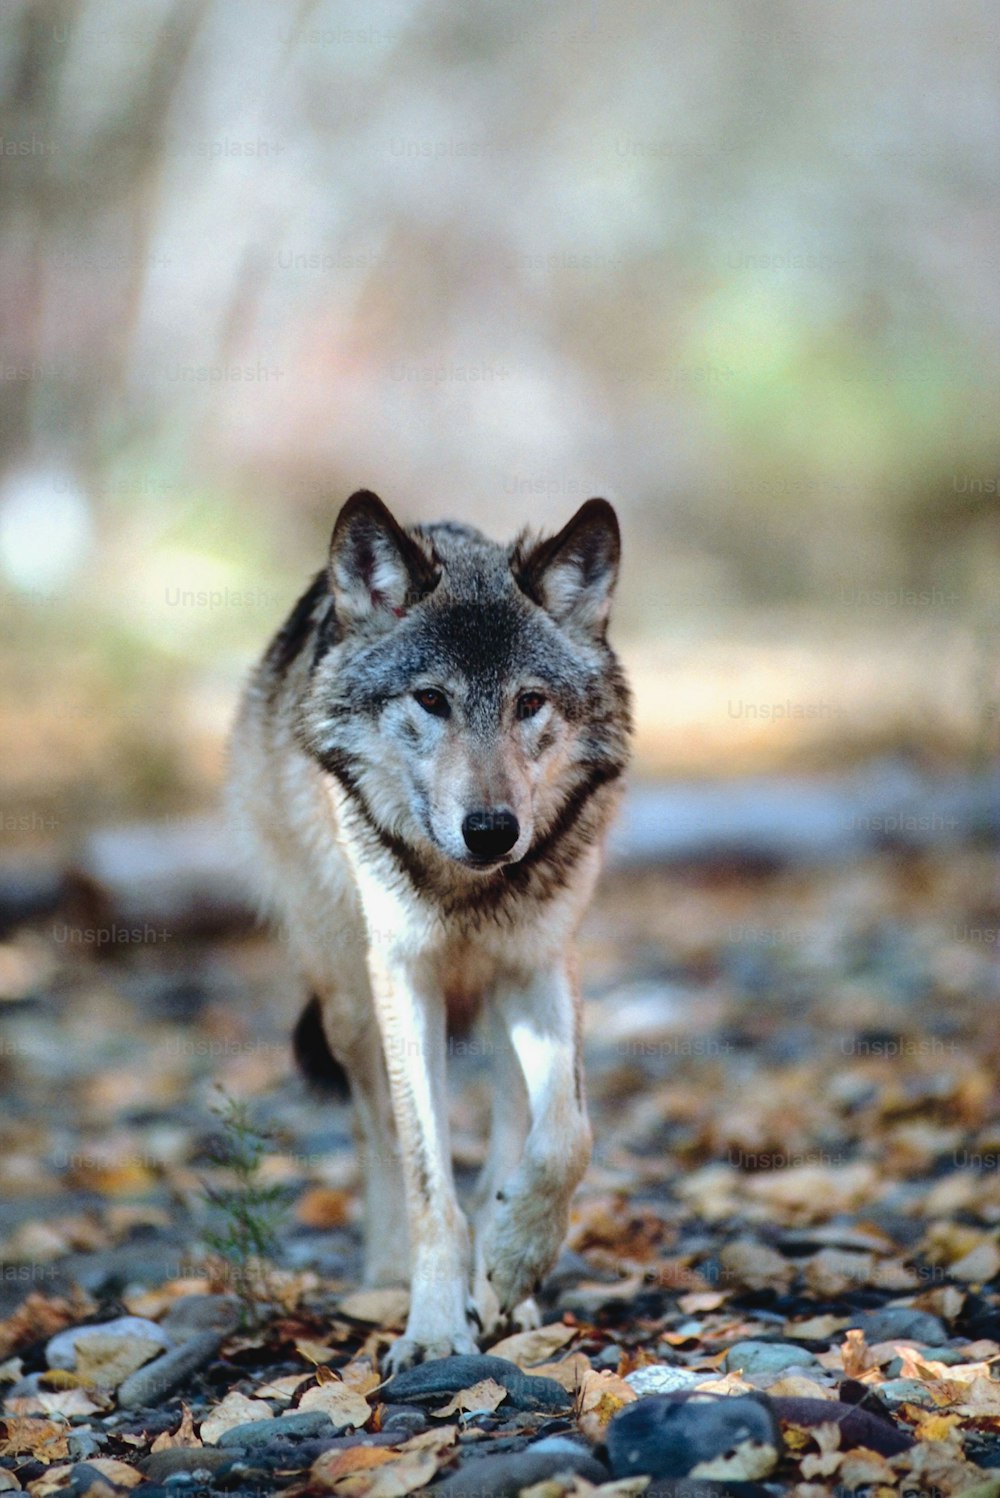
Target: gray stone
<point x="897" y="1391"/>
<point x="441" y="1378"/>
<point x="84" y="1443"/>
<point x="664" y="1378"/>
<point x="159" y="1466"/>
<point x="61" y="1349"/>
<point x="766" y="1357"/>
<point x="504" y="1474"/>
<point x="904" y="1323"/>
<point x="404" y="1419"/>
<point x="151" y="1384"/>
<point x="668" y="1436"/>
<point x="254" y="1433"/>
<point x="201" y="1313"/>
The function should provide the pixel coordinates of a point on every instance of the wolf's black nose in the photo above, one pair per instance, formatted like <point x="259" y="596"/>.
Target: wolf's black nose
<point x="490" y="834"/>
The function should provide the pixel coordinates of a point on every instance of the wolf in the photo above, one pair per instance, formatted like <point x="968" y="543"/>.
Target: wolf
<point x="422" y="771"/>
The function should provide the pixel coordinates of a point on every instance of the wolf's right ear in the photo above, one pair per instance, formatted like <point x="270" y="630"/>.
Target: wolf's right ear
<point x="572" y="575"/>
<point x="376" y="570"/>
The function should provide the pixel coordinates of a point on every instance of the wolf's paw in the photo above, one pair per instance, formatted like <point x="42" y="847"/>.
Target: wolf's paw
<point x="521" y="1249"/>
<point x="406" y="1351"/>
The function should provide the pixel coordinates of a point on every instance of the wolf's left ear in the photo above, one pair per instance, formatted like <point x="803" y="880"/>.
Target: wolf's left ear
<point x="572" y="575"/>
<point x="376" y="570"/>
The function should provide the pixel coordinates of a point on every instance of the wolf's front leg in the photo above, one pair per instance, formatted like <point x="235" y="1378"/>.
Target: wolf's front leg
<point x="412" y="1021"/>
<point x="532" y="1212"/>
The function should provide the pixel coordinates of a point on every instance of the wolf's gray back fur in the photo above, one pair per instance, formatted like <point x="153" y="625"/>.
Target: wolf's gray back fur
<point x="433" y="693"/>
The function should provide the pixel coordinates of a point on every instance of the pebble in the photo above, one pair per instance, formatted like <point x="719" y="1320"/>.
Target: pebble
<point x="903" y="1322"/>
<point x="61" y="1349"/>
<point x="159" y="1466"/>
<point x="504" y="1474"/>
<point x="201" y="1313"/>
<point x="767" y="1357"/>
<point x="663" y="1378"/>
<point x="442" y="1377"/>
<point x="405" y="1419"/>
<point x="665" y="1436"/>
<point x="84" y="1443"/>
<point x="156" y="1380"/>
<point x="255" y="1433"/>
<point x="897" y="1391"/>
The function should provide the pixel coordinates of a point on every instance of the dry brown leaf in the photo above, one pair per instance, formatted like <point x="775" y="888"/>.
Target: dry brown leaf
<point x="486" y="1395"/>
<point x="756" y="1266"/>
<point x="407" y="1471"/>
<point x="797" y="1386"/>
<point x="59" y="1402"/>
<point x="569" y="1372"/>
<point x="314" y="1352"/>
<point x="45" y="1440"/>
<point x="235" y="1409"/>
<point x="982" y="1263"/>
<point x="331" y="1466"/>
<point x="41" y="1316"/>
<point x="344" y="1406"/>
<point x="385" y="1308"/>
<point x="8" y="1482"/>
<point x="600" y="1396"/>
<point x="854" y="1351"/>
<point x="863" y="1470"/>
<point x="700" y="1301"/>
<point x="361" y="1374"/>
<point x="282" y="1388"/>
<point x="184" y="1435"/>
<point x="323" y="1207"/>
<point x="827" y="1460"/>
<point x="526" y="1349"/>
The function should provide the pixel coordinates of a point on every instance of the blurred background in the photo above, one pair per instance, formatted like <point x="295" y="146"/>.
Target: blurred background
<point x="731" y="265"/>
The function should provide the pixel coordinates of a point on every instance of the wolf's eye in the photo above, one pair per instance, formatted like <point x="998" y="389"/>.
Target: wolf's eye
<point x="529" y="703"/>
<point x="433" y="701"/>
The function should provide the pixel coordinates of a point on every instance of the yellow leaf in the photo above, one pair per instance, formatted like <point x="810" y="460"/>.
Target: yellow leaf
<point x="344" y="1406"/>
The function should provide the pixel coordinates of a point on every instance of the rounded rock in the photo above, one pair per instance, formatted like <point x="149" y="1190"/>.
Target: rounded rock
<point x="61" y="1349"/>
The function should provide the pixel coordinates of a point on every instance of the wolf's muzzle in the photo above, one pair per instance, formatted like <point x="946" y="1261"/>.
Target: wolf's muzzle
<point x="490" y="834"/>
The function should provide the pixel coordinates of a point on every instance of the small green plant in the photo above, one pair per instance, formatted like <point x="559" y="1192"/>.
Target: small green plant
<point x="249" y="1211"/>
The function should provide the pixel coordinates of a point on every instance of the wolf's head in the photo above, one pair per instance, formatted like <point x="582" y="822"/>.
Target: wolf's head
<point x="468" y="701"/>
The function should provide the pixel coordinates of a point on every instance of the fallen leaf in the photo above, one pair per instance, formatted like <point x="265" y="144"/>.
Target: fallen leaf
<point x="827" y="1460"/>
<point x="183" y="1436"/>
<point x="107" y="1362"/>
<point x="8" y="1482"/>
<point x="408" y="1471"/>
<point x="854" y="1351"/>
<point x="569" y="1371"/>
<point x="282" y="1388"/>
<point x="331" y="1466"/>
<point x="797" y="1386"/>
<point x="45" y="1440"/>
<point x="344" y="1406"/>
<point x="361" y="1374"/>
<point x="323" y="1207"/>
<point x="59" y="1402"/>
<point x="235" y="1409"/>
<point x="385" y="1308"/>
<point x="486" y="1395"/>
<point x="599" y="1397"/>
<point x="314" y="1352"/>
<point x="40" y="1317"/>
<point x="526" y="1349"/>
